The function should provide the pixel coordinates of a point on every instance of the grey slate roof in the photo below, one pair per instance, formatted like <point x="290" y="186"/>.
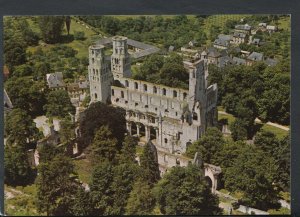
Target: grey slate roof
<point x="243" y="27"/>
<point x="271" y="62"/>
<point x="213" y="52"/>
<point x="224" y="37"/>
<point x="55" y="80"/>
<point x="256" y="56"/>
<point x="146" y="49"/>
<point x="221" y="42"/>
<point x="239" y="35"/>
<point x="239" y="61"/>
<point x="224" y="61"/>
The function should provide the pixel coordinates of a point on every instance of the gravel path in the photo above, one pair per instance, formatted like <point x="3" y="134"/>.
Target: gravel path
<point x="259" y="121"/>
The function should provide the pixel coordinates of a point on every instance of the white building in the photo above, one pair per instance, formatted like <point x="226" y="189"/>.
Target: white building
<point x="172" y="118"/>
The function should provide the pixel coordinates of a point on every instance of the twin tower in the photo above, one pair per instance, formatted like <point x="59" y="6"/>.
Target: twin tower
<point x="102" y="73"/>
<point x="101" y="76"/>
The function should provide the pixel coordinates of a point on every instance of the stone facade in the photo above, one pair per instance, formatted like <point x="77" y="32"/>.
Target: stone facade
<point x="171" y="118"/>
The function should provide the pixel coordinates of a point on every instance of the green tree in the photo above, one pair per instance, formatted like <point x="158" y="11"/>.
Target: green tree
<point x="99" y="114"/>
<point x="41" y="69"/>
<point x="101" y="189"/>
<point x="16" y="165"/>
<point x="68" y="23"/>
<point x="67" y="130"/>
<point x="124" y="178"/>
<point x="149" y="164"/>
<point x="82" y="205"/>
<point x="183" y="191"/>
<point x="238" y="129"/>
<point x="208" y="145"/>
<point x="23" y="70"/>
<point x="128" y="151"/>
<point x="141" y="200"/>
<point x="51" y="28"/>
<point x="266" y="141"/>
<point x="78" y="35"/>
<point x="104" y="146"/>
<point x="27" y="94"/>
<point x="283" y="161"/>
<point x="253" y="173"/>
<point x="19" y="127"/>
<point x="59" y="104"/>
<point x="56" y="186"/>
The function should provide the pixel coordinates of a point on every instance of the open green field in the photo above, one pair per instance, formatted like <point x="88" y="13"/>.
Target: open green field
<point x="81" y="46"/>
<point x="84" y="169"/>
<point x="123" y="17"/>
<point x="277" y="131"/>
<point x="21" y="201"/>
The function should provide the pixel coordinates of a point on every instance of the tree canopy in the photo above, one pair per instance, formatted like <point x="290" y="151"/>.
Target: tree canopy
<point x="51" y="28"/>
<point x="59" y="104"/>
<point x="183" y="191"/>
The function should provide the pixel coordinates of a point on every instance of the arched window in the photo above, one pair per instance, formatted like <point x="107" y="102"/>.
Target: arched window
<point x="122" y="94"/>
<point x="136" y="86"/>
<point x="93" y="60"/>
<point x="112" y="92"/>
<point x="166" y="140"/>
<point x="166" y="158"/>
<point x="184" y="95"/>
<point x="164" y="91"/>
<point x="126" y="83"/>
<point x="174" y="93"/>
<point x="145" y="87"/>
<point x="195" y="116"/>
<point x="96" y="96"/>
<point x="154" y="89"/>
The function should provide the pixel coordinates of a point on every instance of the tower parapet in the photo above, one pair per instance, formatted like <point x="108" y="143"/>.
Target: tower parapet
<point x="100" y="76"/>
<point x="120" y="59"/>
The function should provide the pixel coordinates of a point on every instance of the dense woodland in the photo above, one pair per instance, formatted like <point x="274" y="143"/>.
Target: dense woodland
<point x="118" y="185"/>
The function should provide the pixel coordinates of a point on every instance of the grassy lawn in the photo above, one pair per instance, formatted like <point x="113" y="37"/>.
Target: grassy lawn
<point x="277" y="131"/>
<point x="23" y="201"/>
<point x="84" y="169"/>
<point x="284" y="23"/>
<point x="123" y="17"/>
<point x="81" y="46"/>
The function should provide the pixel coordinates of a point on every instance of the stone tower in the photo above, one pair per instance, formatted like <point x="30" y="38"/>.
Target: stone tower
<point x="120" y="59"/>
<point x="99" y="74"/>
<point x="197" y="84"/>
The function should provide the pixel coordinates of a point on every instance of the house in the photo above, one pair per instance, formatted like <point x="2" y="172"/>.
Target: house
<point x="77" y="91"/>
<point x="262" y="25"/>
<point x="193" y="43"/>
<point x="239" y="61"/>
<point x="256" y="42"/>
<point x="271" y="29"/>
<point x="171" y="48"/>
<point x="55" y="80"/>
<point x="271" y="62"/>
<point x="222" y="42"/>
<point x="225" y="61"/>
<point x="239" y="37"/>
<point x="254" y="57"/>
<point x="243" y="28"/>
<point x="213" y="55"/>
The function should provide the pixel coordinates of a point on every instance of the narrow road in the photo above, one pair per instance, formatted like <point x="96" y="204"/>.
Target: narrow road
<point x="259" y="121"/>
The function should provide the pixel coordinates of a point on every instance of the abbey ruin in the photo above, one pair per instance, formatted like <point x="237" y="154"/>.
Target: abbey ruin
<point x="171" y="118"/>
